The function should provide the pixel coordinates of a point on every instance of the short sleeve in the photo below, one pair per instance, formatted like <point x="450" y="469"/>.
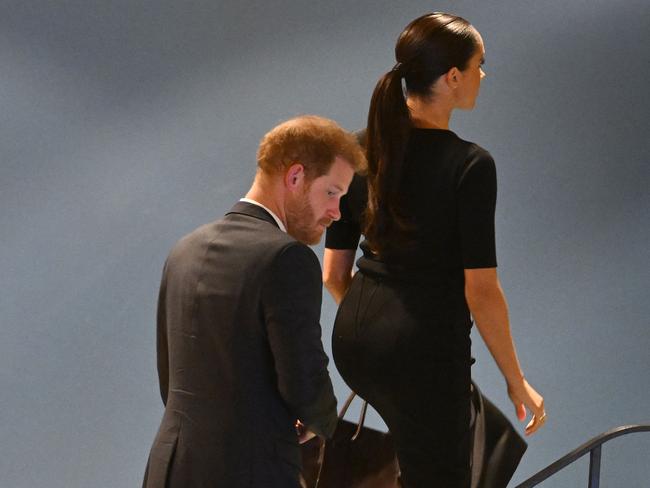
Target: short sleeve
<point x="477" y="194"/>
<point x="346" y="232"/>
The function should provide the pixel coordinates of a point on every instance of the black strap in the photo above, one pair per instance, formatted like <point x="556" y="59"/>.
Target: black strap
<point x="342" y="412"/>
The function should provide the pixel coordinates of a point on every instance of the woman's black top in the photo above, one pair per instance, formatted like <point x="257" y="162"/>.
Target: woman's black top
<point x="449" y="193"/>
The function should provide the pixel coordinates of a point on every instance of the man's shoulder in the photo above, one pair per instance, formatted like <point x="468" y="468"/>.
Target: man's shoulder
<point x="268" y="248"/>
<point x="248" y="234"/>
<point x="295" y="253"/>
<point x="253" y="231"/>
<point x="272" y="245"/>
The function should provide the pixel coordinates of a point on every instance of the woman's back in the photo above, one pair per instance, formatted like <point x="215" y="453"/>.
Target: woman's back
<point x="448" y="197"/>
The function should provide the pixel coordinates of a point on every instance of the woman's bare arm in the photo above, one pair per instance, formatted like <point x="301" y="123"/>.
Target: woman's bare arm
<point x="337" y="271"/>
<point x="488" y="306"/>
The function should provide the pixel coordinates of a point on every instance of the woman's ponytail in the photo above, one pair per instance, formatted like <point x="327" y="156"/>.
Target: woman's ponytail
<point x="388" y="131"/>
<point x="427" y="48"/>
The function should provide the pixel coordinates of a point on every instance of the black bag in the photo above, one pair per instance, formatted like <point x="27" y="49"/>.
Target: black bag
<point x="355" y="457"/>
<point x="361" y="457"/>
<point x="497" y="446"/>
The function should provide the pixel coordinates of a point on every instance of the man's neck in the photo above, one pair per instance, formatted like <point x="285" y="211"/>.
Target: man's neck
<point x="270" y="196"/>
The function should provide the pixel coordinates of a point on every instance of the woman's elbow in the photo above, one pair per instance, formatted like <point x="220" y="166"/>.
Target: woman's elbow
<point x="335" y="283"/>
<point x="481" y="285"/>
<point x="337" y="267"/>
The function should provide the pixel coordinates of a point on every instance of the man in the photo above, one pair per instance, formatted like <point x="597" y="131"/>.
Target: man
<point x="242" y="371"/>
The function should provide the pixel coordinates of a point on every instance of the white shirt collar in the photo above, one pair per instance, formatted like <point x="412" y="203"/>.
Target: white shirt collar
<point x="275" y="217"/>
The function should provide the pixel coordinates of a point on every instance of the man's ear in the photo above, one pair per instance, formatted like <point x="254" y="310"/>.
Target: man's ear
<point x="294" y="176"/>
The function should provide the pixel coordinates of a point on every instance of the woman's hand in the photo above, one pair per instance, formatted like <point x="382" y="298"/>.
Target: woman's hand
<point x="525" y="396"/>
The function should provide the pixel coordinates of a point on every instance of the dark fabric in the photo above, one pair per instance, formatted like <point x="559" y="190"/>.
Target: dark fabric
<point x="449" y="189"/>
<point x="476" y="200"/>
<point x="345" y="232"/>
<point x="366" y="462"/>
<point x="497" y="447"/>
<point x="405" y="348"/>
<point x="369" y="460"/>
<point x="240" y="356"/>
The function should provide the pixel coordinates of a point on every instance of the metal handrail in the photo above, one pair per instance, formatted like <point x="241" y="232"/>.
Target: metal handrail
<point x="593" y="447"/>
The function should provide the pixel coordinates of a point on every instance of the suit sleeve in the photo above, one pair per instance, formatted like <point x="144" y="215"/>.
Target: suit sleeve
<point x="292" y="301"/>
<point x="162" y="350"/>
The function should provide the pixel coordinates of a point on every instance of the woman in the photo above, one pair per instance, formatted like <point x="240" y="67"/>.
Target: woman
<point x="401" y="337"/>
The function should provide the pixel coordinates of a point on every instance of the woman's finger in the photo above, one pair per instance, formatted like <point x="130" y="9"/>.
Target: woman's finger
<point x="535" y="423"/>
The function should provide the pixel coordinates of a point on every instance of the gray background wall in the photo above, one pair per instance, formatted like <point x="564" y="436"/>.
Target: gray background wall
<point x="126" y="124"/>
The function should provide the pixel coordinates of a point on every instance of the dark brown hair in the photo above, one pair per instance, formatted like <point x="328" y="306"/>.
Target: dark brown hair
<point x="427" y="48"/>
<point x="311" y="141"/>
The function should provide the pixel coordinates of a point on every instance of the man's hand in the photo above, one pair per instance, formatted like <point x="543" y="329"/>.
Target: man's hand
<point x="303" y="433"/>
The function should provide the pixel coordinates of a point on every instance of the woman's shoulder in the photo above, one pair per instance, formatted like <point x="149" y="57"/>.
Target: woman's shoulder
<point x="447" y="141"/>
<point x="472" y="159"/>
<point x="473" y="151"/>
<point x="471" y="155"/>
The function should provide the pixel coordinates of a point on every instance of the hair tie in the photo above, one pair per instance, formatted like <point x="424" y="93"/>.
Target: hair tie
<point x="397" y="68"/>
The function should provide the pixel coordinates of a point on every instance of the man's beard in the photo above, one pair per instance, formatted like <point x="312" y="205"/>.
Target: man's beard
<point x="301" y="220"/>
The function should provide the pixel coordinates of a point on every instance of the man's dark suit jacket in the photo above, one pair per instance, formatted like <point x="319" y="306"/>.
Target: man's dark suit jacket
<point x="240" y="356"/>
